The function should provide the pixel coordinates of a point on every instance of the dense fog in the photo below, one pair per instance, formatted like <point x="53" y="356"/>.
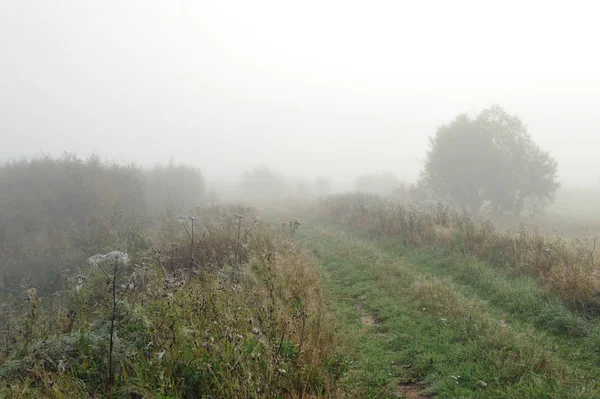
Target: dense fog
<point x="337" y="89"/>
<point x="299" y="199"/>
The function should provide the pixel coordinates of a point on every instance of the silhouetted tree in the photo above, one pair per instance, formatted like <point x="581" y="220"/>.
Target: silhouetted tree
<point x="180" y="186"/>
<point x="262" y="183"/>
<point x="490" y="159"/>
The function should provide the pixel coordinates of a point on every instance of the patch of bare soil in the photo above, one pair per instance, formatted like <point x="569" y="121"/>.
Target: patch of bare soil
<point x="411" y="391"/>
<point x="366" y="318"/>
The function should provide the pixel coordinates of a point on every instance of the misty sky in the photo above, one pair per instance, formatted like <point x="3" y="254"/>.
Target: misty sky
<point x="333" y="88"/>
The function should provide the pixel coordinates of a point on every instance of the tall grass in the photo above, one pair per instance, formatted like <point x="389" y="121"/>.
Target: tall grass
<point x="253" y="324"/>
<point x="568" y="268"/>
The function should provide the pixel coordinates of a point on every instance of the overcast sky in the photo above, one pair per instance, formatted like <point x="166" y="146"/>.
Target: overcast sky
<point x="334" y="88"/>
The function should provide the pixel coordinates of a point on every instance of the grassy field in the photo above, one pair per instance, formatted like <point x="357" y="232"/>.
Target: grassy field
<point x="364" y="298"/>
<point x="421" y="321"/>
<point x="237" y="312"/>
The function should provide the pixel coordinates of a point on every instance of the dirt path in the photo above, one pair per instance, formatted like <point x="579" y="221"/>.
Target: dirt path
<point x="408" y="391"/>
<point x="367" y="319"/>
<point x="411" y="391"/>
<point x="410" y="317"/>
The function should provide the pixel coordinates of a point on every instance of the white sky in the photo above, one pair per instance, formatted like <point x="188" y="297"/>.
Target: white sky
<point x="334" y="88"/>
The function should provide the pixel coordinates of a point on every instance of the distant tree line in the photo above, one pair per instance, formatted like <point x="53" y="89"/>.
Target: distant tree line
<point x="55" y="212"/>
<point x="266" y="184"/>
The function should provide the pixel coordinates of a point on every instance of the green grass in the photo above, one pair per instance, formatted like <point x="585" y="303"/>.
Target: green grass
<point x="451" y="323"/>
<point x="253" y="326"/>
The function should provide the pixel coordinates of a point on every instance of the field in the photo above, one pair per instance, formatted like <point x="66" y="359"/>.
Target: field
<point x="446" y="324"/>
<point x="343" y="296"/>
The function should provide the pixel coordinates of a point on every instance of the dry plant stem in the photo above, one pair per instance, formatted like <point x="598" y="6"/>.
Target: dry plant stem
<point x="112" y="329"/>
<point x="172" y="255"/>
<point x="237" y="249"/>
<point x="298" y="381"/>
<point x="191" y="237"/>
<point x="238" y="258"/>
<point x="115" y="301"/>
<point x="192" y="245"/>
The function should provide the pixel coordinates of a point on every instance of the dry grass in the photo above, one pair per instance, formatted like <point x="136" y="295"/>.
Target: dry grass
<point x="216" y="327"/>
<point x="567" y="268"/>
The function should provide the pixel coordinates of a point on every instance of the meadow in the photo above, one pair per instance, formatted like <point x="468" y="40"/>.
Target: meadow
<point x="130" y="283"/>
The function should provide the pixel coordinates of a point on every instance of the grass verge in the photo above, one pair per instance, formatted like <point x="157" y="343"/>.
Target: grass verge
<point x="452" y="325"/>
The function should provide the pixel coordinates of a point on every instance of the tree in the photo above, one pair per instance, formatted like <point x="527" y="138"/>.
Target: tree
<point x="262" y="183"/>
<point x="490" y="159"/>
<point x="177" y="185"/>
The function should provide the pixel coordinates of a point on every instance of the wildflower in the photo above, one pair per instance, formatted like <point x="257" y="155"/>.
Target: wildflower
<point x="482" y="383"/>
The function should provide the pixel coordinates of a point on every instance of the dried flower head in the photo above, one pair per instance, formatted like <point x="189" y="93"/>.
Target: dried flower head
<point x="32" y="294"/>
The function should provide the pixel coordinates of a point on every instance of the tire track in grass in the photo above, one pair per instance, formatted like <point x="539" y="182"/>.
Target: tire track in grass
<point x="425" y="331"/>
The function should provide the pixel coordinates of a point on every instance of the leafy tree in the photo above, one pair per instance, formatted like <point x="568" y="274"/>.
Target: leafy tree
<point x="490" y="159"/>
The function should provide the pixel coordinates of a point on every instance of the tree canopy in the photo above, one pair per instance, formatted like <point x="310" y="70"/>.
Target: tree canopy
<point x="490" y="159"/>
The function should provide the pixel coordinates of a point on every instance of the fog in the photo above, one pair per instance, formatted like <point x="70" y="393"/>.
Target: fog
<point x="334" y="88"/>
